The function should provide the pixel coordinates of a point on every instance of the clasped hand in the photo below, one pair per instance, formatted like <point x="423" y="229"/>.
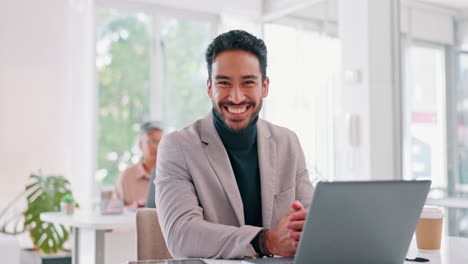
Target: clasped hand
<point x="284" y="238"/>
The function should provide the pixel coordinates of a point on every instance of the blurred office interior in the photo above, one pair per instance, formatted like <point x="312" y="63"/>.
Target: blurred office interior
<point x="375" y="89"/>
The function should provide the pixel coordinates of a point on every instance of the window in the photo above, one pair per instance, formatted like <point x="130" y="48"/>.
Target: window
<point x="123" y="56"/>
<point x="424" y="128"/>
<point x="461" y="182"/>
<point x="458" y="188"/>
<point x="149" y="66"/>
<point x="183" y="44"/>
<point x="303" y="74"/>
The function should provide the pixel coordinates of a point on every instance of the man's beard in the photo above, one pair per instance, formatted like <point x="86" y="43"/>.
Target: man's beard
<point x="253" y="116"/>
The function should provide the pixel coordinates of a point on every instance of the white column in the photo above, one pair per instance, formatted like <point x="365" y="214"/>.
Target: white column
<point x="82" y="101"/>
<point x="369" y="31"/>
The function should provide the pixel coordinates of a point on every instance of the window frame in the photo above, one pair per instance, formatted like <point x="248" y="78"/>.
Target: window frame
<point x="155" y="12"/>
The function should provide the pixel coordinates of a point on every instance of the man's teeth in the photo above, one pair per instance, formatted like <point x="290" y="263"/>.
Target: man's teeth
<point x="236" y="110"/>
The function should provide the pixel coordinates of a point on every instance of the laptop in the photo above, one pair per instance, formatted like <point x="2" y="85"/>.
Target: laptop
<point x="359" y="222"/>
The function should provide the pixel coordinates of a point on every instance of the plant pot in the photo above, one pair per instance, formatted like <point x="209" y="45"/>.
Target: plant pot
<point x="67" y="208"/>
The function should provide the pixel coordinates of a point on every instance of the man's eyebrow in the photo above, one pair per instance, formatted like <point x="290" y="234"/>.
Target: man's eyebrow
<point x="217" y="77"/>
<point x="250" y="77"/>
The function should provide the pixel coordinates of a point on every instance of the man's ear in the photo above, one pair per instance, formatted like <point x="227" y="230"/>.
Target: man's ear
<point x="265" y="87"/>
<point x="208" y="85"/>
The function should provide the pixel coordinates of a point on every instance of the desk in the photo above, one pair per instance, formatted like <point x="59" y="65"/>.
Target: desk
<point x="460" y="203"/>
<point x="89" y="230"/>
<point x="452" y="252"/>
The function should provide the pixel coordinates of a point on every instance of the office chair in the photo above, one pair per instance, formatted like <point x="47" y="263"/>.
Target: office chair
<point x="150" y="240"/>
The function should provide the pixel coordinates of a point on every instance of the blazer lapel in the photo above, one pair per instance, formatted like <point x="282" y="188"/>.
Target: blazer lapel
<point x="219" y="161"/>
<point x="267" y="162"/>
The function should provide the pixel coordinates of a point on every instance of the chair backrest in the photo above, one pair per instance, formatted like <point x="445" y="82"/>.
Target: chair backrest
<point x="150" y="240"/>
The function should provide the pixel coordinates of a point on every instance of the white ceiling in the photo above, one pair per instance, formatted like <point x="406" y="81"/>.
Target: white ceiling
<point x="317" y="11"/>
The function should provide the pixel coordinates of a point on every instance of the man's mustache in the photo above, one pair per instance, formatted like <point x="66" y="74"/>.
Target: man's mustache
<point x="239" y="104"/>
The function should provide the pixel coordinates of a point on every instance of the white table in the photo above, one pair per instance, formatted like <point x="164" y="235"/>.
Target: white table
<point x="460" y="203"/>
<point x="452" y="252"/>
<point x="89" y="230"/>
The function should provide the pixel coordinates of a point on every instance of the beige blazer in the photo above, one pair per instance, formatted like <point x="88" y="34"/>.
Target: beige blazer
<point x="199" y="205"/>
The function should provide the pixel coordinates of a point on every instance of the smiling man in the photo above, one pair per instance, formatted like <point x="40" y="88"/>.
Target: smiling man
<point x="232" y="185"/>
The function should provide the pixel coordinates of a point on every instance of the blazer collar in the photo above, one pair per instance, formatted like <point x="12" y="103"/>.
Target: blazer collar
<point x="267" y="161"/>
<point x="219" y="160"/>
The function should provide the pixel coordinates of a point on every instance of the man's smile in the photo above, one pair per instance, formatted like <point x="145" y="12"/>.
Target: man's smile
<point x="237" y="112"/>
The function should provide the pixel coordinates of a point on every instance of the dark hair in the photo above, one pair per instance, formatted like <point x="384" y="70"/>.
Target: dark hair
<point x="149" y="126"/>
<point x="237" y="39"/>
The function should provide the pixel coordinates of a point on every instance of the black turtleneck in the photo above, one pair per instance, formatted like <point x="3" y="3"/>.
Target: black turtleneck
<point x="241" y="147"/>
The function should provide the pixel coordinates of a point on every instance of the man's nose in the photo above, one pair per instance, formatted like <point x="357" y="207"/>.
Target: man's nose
<point x="237" y="95"/>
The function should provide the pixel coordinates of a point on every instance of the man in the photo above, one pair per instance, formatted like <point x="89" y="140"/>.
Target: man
<point x="231" y="185"/>
<point x="132" y="184"/>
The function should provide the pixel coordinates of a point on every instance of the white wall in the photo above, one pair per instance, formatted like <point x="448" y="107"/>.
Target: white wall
<point x="428" y="24"/>
<point x="368" y="37"/>
<point x="46" y="93"/>
<point x="32" y="52"/>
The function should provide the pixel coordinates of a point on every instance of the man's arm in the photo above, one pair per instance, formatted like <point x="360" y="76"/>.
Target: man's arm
<point x="186" y="232"/>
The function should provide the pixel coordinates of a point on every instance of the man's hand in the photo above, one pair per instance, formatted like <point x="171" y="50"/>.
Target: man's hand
<point x="277" y="240"/>
<point x="284" y="238"/>
<point x="296" y="222"/>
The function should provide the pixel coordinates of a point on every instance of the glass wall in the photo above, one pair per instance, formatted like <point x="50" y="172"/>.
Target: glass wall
<point x="459" y="217"/>
<point x="424" y="127"/>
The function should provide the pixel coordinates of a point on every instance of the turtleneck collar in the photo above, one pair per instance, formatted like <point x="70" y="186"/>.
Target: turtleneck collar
<point x="239" y="140"/>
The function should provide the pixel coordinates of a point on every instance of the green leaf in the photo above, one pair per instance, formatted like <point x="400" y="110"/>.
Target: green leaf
<point x="44" y="195"/>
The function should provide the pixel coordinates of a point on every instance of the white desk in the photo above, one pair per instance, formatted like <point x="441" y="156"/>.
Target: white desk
<point x="89" y="239"/>
<point x="452" y="252"/>
<point x="460" y="203"/>
<point x="89" y="232"/>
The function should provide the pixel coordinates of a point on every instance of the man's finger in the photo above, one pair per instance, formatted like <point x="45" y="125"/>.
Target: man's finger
<point x="295" y="244"/>
<point x="296" y="225"/>
<point x="294" y="235"/>
<point x="297" y="205"/>
<point x="298" y="216"/>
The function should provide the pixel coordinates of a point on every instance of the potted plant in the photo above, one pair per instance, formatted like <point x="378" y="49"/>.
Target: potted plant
<point x="43" y="194"/>
<point x="67" y="204"/>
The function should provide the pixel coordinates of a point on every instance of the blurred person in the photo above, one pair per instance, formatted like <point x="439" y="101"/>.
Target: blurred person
<point x="132" y="184"/>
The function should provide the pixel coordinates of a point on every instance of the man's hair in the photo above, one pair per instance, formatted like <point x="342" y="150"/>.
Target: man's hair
<point x="237" y="40"/>
<point x="149" y="126"/>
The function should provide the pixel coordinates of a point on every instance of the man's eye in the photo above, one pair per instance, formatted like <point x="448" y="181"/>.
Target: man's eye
<point x="223" y="83"/>
<point x="249" y="82"/>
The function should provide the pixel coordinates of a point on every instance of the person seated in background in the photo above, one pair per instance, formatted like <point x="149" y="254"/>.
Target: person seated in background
<point x="132" y="184"/>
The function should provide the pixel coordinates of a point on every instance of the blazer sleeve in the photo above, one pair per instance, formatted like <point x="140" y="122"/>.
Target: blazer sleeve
<point x="304" y="188"/>
<point x="186" y="232"/>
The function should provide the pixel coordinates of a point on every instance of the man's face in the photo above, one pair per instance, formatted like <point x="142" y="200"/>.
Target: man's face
<point x="149" y="145"/>
<point x="236" y="87"/>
